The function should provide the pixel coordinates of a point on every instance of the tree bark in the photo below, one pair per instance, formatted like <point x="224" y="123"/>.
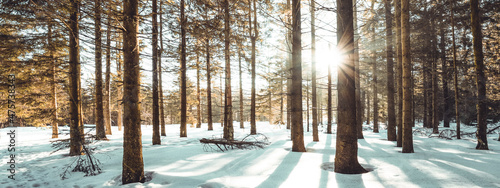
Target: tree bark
<point x="156" y="107"/>
<point x="209" y="88"/>
<point x="253" y="128"/>
<point x="198" y="93"/>
<point x="391" y="123"/>
<point x="399" y="77"/>
<point x="289" y="66"/>
<point x="374" y="84"/>
<point x="346" y="153"/>
<point x="242" y="123"/>
<point x="228" y="107"/>
<point x="297" y="128"/>
<point x="55" y="133"/>
<point x="162" y="105"/>
<point x="313" y="73"/>
<point x="107" y="82"/>
<point x="76" y="119"/>
<point x="133" y="165"/>
<point x="435" y="118"/>
<point x="477" y="40"/>
<point x="359" y="109"/>
<point x="444" y="78"/>
<point x="329" y="102"/>
<point x="119" y="88"/>
<point x="455" y="72"/>
<point x="405" y="40"/>
<point x="99" y="116"/>
<point x="183" y="130"/>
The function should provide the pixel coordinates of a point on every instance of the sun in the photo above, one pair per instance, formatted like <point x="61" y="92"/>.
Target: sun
<point x="328" y="56"/>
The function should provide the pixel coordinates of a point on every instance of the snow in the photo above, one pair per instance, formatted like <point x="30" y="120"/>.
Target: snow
<point x="182" y="162"/>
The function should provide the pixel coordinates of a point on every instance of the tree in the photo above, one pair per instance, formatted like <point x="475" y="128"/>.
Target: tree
<point x="198" y="92"/>
<point x="399" y="77"/>
<point x="359" y="108"/>
<point x="391" y="122"/>
<point x="99" y="119"/>
<point x="242" y="124"/>
<point x="313" y="73"/>
<point x="55" y="133"/>
<point x="374" y="82"/>
<point x="477" y="40"/>
<point x="209" y="88"/>
<point x="253" y="128"/>
<point x="183" y="131"/>
<point x="329" y="101"/>
<point x="162" y="111"/>
<point x="406" y="60"/>
<point x="76" y="120"/>
<point x="133" y="165"/>
<point x="455" y="72"/>
<point x="228" y="104"/>
<point x="346" y="153"/>
<point x="107" y="81"/>
<point x="156" y="110"/>
<point x="297" y="128"/>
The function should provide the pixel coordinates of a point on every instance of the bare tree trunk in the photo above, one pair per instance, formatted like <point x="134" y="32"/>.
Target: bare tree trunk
<point x="346" y="153"/>
<point x="222" y="106"/>
<point x="367" y="108"/>
<point x="119" y="89"/>
<point x="391" y="125"/>
<point x="444" y="78"/>
<point x="156" y="107"/>
<point x="253" y="128"/>
<point x="374" y="84"/>
<point x="405" y="35"/>
<point x="228" y="107"/>
<point x="399" y="77"/>
<point x="242" y="123"/>
<point x="313" y="73"/>
<point x="107" y="82"/>
<point x="162" y="110"/>
<point x="289" y="68"/>
<point x="198" y="92"/>
<point x="76" y="120"/>
<point x="307" y="104"/>
<point x="55" y="133"/>
<point x="455" y="72"/>
<point x="183" y="130"/>
<point x="435" y="118"/>
<point x="329" y="103"/>
<point x="297" y="127"/>
<point x="477" y="40"/>
<point x="133" y="165"/>
<point x="209" y="88"/>
<point x="99" y="116"/>
<point x="359" y="109"/>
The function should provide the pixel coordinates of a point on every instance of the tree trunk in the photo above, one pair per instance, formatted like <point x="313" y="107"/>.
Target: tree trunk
<point x="156" y="108"/>
<point x="444" y="78"/>
<point x="119" y="88"/>
<point x="242" y="124"/>
<point x="253" y="129"/>
<point x="455" y="72"/>
<point x="133" y="165"/>
<point x="307" y="104"/>
<point x="209" y="88"/>
<point x="99" y="116"/>
<point x="289" y="67"/>
<point x="55" y="133"/>
<point x="228" y="108"/>
<point x="391" y="123"/>
<point x="76" y="120"/>
<point x="107" y="82"/>
<point x="162" y="105"/>
<point x="405" y="40"/>
<point x="329" y="102"/>
<point x="477" y="40"/>
<point x="435" y="118"/>
<point x="374" y="84"/>
<point x="313" y="73"/>
<point x="198" y="93"/>
<point x="297" y="128"/>
<point x="359" y="109"/>
<point x="367" y="108"/>
<point x="399" y="77"/>
<point x="183" y="130"/>
<point x="346" y="153"/>
<point x="222" y="105"/>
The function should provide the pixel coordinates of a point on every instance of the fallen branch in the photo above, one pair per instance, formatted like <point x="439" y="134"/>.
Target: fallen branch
<point x="248" y="142"/>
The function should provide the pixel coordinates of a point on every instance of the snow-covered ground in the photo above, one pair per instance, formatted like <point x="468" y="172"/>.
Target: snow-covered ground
<point x="182" y="162"/>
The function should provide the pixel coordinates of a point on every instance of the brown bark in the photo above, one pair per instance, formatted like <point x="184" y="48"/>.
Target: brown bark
<point x="399" y="77"/>
<point x="156" y="107"/>
<point x="313" y="73"/>
<point x="455" y="72"/>
<point x="99" y="116"/>
<point x="162" y="105"/>
<point x="391" y="121"/>
<point x="329" y="102"/>
<point x="183" y="131"/>
<point x="477" y="40"/>
<point x="133" y="165"/>
<point x="374" y="84"/>
<point x="228" y="107"/>
<point x="198" y="93"/>
<point x="209" y="88"/>
<point x="242" y="123"/>
<point x="346" y="153"/>
<point x="444" y="78"/>
<point x="405" y="44"/>
<point x="435" y="118"/>
<point x="119" y="86"/>
<point x="253" y="128"/>
<point x="76" y="119"/>
<point x="289" y="67"/>
<point x="107" y="82"/>
<point x="55" y="133"/>
<point x="359" y="109"/>
<point x="297" y="128"/>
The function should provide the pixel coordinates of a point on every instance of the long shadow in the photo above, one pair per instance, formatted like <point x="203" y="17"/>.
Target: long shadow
<point x="323" y="181"/>
<point x="283" y="171"/>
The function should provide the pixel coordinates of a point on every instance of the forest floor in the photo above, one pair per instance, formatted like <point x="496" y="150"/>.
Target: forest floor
<point x="183" y="162"/>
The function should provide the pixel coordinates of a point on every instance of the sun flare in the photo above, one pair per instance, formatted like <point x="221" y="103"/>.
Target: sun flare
<point x="328" y="56"/>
